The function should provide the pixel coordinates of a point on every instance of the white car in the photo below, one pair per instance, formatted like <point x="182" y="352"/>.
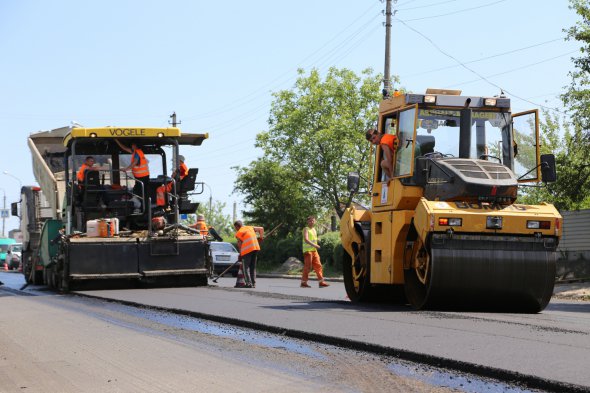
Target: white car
<point x="224" y="255"/>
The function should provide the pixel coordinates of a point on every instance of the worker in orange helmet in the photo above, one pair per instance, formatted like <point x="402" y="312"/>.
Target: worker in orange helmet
<point x="387" y="143"/>
<point x="249" y="247"/>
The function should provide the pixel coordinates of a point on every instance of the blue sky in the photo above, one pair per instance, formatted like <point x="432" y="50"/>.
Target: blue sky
<point x="132" y="63"/>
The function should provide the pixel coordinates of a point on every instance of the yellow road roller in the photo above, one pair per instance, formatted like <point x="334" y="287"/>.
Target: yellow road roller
<point x="445" y="230"/>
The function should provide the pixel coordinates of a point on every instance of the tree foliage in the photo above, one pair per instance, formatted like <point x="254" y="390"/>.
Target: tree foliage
<point x="315" y="137"/>
<point x="577" y="96"/>
<point x="214" y="217"/>
<point x="274" y="197"/>
<point x="571" y="191"/>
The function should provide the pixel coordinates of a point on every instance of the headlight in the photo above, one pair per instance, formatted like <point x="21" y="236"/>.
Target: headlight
<point x="489" y="102"/>
<point x="452" y="222"/>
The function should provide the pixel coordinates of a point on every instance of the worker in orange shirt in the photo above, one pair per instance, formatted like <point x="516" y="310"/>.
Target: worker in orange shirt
<point x="249" y="247"/>
<point x="387" y="143"/>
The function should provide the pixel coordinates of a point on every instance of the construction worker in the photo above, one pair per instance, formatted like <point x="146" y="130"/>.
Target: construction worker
<point x="249" y="247"/>
<point x="139" y="168"/>
<point x="201" y="225"/>
<point x="387" y="143"/>
<point x="87" y="165"/>
<point x="182" y="172"/>
<point x="311" y="257"/>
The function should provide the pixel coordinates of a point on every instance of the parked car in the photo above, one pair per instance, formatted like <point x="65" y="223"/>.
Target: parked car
<point x="4" y="243"/>
<point x="13" y="255"/>
<point x="224" y="255"/>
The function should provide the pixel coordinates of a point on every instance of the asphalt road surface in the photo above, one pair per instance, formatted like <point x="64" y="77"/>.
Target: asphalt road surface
<point x="549" y="350"/>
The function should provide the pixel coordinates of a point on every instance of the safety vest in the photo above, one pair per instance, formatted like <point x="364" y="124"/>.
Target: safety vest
<point x="161" y="196"/>
<point x="388" y="139"/>
<point x="183" y="170"/>
<point x="312" y="236"/>
<point x="81" y="171"/>
<point x="141" y="170"/>
<point x="202" y="228"/>
<point x="247" y="236"/>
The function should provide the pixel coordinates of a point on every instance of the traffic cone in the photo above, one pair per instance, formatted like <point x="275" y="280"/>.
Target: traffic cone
<point x="240" y="283"/>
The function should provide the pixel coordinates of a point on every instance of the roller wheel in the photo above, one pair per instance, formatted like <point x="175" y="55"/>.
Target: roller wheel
<point x="417" y="277"/>
<point x="357" y="275"/>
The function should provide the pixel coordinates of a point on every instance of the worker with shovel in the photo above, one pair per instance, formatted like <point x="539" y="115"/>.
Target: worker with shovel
<point x="249" y="247"/>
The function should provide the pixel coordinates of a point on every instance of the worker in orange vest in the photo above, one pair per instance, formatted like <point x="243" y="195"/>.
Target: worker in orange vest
<point x="201" y="225"/>
<point x="388" y="143"/>
<point x="87" y="165"/>
<point x="248" y="245"/>
<point x="139" y="168"/>
<point x="182" y="172"/>
<point x="163" y="189"/>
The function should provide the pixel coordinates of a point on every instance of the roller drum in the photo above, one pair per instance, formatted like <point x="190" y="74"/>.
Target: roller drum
<point x="507" y="273"/>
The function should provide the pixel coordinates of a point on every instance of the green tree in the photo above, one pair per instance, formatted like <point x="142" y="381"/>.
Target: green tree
<point x="215" y="218"/>
<point x="577" y="96"/>
<point x="274" y="197"/>
<point x="316" y="134"/>
<point x="571" y="191"/>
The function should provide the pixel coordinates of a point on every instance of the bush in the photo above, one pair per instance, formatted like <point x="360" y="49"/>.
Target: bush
<point x="328" y="243"/>
<point x="275" y="251"/>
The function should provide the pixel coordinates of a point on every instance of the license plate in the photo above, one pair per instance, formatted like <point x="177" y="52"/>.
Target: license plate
<point x="222" y="257"/>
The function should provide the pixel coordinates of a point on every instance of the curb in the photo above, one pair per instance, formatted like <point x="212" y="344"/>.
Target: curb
<point x="296" y="277"/>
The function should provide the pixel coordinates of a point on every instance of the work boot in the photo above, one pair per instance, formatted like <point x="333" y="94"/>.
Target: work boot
<point x="305" y="285"/>
<point x="323" y="284"/>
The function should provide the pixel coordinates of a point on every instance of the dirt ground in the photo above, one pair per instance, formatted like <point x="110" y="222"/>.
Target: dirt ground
<point x="573" y="291"/>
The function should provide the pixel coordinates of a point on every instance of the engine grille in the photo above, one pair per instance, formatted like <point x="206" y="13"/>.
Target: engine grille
<point x="480" y="170"/>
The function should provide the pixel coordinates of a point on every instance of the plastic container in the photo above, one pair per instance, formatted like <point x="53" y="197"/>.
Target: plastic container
<point x="106" y="228"/>
<point x="92" y="228"/>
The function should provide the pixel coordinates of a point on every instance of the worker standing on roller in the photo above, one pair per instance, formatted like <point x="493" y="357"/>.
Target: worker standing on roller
<point x="249" y="247"/>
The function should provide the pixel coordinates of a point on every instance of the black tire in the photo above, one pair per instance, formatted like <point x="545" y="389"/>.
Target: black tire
<point x="417" y="285"/>
<point x="357" y="276"/>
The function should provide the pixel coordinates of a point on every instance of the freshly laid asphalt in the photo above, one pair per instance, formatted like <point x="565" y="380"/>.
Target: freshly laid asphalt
<point x="547" y="350"/>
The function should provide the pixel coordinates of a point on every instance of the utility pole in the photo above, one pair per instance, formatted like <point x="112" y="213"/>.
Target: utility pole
<point x="174" y="122"/>
<point x="234" y="215"/>
<point x="386" y="72"/>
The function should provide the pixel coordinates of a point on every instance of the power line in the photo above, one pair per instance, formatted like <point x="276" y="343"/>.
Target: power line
<point x="484" y="58"/>
<point x="471" y="70"/>
<point x="456" y="12"/>
<point x="427" y="5"/>
<point x="263" y="89"/>
<point x="515" y="69"/>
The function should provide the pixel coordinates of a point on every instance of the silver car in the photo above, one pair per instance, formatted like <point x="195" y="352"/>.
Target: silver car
<point x="224" y="255"/>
